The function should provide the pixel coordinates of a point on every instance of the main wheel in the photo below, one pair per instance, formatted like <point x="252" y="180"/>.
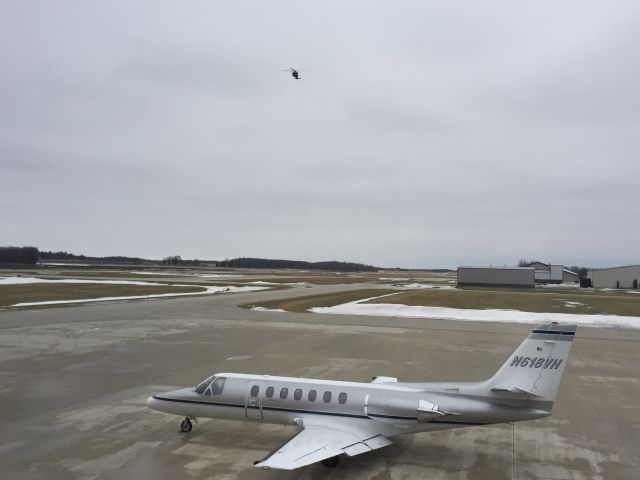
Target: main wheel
<point x="186" y="426"/>
<point x="331" y="462"/>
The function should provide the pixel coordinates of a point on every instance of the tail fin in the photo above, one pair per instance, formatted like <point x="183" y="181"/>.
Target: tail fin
<point x="535" y="369"/>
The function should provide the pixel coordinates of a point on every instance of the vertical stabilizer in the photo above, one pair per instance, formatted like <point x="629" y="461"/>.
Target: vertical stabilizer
<point x="535" y="369"/>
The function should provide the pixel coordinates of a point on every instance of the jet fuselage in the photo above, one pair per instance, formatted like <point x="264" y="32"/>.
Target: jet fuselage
<point x="399" y="407"/>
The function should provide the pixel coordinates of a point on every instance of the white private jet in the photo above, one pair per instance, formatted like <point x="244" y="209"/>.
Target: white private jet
<point x="350" y="418"/>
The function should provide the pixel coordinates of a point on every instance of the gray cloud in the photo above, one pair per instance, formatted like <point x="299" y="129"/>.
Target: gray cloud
<point x="422" y="133"/>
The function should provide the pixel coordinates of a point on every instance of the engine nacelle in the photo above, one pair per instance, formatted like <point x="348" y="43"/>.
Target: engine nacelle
<point x="382" y="379"/>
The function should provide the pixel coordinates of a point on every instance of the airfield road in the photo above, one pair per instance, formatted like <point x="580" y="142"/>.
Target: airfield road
<point x="74" y="382"/>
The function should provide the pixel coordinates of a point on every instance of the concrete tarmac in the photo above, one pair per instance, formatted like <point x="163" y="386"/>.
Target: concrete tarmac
<point x="73" y="382"/>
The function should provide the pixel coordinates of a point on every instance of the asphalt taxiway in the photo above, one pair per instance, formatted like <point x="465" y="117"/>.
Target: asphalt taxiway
<point x="74" y="380"/>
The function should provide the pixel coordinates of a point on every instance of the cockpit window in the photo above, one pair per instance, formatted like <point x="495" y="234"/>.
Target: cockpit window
<point x="218" y="385"/>
<point x="202" y="386"/>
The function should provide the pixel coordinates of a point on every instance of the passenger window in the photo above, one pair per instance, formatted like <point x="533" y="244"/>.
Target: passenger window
<point x="297" y="394"/>
<point x="326" y="398"/>
<point x="342" y="398"/>
<point x="269" y="392"/>
<point x="255" y="390"/>
<point x="312" y="395"/>
<point x="218" y="385"/>
<point x="284" y="393"/>
<point x="207" y="391"/>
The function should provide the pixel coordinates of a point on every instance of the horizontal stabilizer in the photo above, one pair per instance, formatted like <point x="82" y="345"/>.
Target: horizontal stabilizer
<point x="514" y="390"/>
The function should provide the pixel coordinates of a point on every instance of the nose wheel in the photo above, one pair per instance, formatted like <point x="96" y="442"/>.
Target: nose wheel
<point x="186" y="425"/>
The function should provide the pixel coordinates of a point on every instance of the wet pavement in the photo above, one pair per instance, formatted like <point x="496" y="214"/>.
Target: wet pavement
<point x="73" y="382"/>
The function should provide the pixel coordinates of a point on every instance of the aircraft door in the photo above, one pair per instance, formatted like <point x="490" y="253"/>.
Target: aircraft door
<point x="253" y="401"/>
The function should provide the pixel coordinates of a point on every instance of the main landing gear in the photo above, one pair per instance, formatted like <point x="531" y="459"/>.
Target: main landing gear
<point x="186" y="425"/>
<point x="331" y="462"/>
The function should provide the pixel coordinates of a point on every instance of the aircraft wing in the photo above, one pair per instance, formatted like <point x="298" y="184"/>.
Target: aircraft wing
<point x="316" y="442"/>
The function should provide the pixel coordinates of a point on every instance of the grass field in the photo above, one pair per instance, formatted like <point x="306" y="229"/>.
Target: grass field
<point x="315" y="280"/>
<point x="230" y="276"/>
<point x="121" y="274"/>
<point x="227" y="276"/>
<point x="302" y="304"/>
<point x="235" y="277"/>
<point x="530" y="300"/>
<point x="537" y="300"/>
<point x="38" y="292"/>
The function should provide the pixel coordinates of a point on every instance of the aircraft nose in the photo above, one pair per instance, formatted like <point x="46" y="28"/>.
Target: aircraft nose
<point x="161" y="401"/>
<point x="151" y="403"/>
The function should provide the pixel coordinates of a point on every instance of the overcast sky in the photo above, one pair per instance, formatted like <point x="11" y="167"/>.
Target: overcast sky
<point x="422" y="134"/>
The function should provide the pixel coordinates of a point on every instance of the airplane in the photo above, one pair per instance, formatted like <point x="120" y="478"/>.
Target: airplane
<point x="337" y="417"/>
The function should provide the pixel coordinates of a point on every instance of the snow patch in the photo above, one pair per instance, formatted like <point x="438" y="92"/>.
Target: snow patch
<point x="187" y="274"/>
<point x="65" y="264"/>
<point x="219" y="275"/>
<point x="264" y="309"/>
<point x="572" y="304"/>
<point x="28" y="280"/>
<point x="141" y="272"/>
<point x="558" y="285"/>
<point x="294" y="284"/>
<point x="208" y="290"/>
<point x="298" y="284"/>
<point x="489" y="315"/>
<point x="427" y="285"/>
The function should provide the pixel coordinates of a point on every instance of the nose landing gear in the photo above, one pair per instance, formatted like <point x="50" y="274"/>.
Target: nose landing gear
<point x="186" y="425"/>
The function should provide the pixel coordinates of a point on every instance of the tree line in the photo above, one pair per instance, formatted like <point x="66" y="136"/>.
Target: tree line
<point x="333" y="266"/>
<point x="22" y="255"/>
<point x="177" y="260"/>
<point x="31" y="255"/>
<point x="62" y="255"/>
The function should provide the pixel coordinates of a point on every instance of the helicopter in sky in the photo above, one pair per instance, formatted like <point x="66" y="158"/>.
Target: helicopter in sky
<point x="294" y="73"/>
